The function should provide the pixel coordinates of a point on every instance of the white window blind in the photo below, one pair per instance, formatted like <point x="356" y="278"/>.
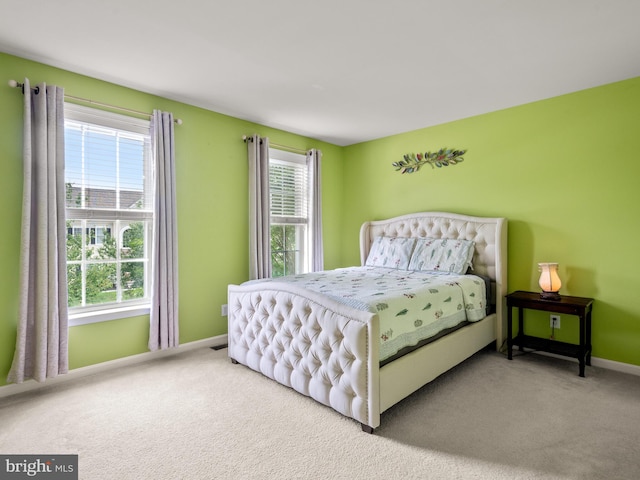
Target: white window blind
<point x="288" y="187"/>
<point x="107" y="165"/>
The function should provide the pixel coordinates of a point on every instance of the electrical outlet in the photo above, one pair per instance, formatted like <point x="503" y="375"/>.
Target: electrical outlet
<point x="554" y="321"/>
<point x="224" y="310"/>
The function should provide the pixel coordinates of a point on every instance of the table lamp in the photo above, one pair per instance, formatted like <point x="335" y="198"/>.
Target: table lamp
<point x="549" y="281"/>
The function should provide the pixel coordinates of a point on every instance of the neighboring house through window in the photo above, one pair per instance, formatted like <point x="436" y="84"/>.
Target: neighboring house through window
<point x="290" y="190"/>
<point x="109" y="212"/>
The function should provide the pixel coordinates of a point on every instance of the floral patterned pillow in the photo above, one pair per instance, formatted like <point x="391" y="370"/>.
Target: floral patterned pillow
<point x="442" y="255"/>
<point x="390" y="252"/>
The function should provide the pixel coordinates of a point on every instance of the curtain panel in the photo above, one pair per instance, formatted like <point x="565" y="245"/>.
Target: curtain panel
<point x="42" y="331"/>
<point x="259" y="208"/>
<point x="163" y="331"/>
<point x="314" y="158"/>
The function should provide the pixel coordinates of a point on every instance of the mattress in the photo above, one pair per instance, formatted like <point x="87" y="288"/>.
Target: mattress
<point x="412" y="306"/>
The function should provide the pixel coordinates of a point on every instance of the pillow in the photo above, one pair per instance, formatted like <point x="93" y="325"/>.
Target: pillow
<point x="390" y="252"/>
<point x="442" y="255"/>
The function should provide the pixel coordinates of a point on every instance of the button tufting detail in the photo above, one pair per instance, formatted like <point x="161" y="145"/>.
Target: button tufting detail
<point x="306" y="347"/>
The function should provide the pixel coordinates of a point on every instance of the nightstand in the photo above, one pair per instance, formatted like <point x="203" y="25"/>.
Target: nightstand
<point x="578" y="306"/>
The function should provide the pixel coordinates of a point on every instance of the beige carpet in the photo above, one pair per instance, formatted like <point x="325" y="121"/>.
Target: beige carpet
<point x="197" y="416"/>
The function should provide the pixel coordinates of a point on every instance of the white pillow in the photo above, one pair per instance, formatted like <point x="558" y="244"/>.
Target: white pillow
<point x="390" y="252"/>
<point x="442" y="255"/>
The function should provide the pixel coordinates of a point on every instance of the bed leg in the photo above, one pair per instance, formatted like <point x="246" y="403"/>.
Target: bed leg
<point x="491" y="347"/>
<point x="366" y="428"/>
<point x="233" y="360"/>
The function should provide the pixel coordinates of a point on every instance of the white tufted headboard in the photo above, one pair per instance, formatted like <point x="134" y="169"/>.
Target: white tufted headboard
<point x="489" y="235"/>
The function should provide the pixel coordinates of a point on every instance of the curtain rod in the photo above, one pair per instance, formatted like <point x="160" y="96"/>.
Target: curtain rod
<point x="15" y="84"/>
<point x="246" y="138"/>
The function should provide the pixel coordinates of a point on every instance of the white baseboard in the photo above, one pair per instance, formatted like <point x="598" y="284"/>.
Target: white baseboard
<point x="599" y="362"/>
<point x="617" y="366"/>
<point x="15" y="388"/>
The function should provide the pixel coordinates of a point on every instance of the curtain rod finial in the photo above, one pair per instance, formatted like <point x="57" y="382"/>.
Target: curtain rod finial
<point x="13" y="84"/>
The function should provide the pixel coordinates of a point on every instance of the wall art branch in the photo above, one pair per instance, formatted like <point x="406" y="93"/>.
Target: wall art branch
<point x="442" y="158"/>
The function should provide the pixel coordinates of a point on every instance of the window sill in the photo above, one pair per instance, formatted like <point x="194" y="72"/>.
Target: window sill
<point x="83" y="318"/>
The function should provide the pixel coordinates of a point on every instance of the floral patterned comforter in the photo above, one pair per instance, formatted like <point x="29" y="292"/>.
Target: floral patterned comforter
<point x="412" y="305"/>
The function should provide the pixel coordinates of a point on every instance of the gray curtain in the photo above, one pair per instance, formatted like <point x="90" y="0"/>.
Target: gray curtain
<point x="163" y="331"/>
<point x="314" y="157"/>
<point x="42" y="333"/>
<point x="259" y="208"/>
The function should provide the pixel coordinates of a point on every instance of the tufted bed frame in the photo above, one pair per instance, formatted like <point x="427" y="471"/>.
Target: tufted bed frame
<point x="330" y="351"/>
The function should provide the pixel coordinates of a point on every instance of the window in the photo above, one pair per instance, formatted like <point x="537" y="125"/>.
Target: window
<point x="109" y="212"/>
<point x="289" y="203"/>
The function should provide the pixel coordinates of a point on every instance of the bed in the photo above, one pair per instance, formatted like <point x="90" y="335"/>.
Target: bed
<point x="329" y="348"/>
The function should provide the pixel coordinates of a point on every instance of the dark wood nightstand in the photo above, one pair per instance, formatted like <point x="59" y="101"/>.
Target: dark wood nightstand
<point x="578" y="306"/>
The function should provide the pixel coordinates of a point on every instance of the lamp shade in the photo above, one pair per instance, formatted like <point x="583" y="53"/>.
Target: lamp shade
<point x="549" y="280"/>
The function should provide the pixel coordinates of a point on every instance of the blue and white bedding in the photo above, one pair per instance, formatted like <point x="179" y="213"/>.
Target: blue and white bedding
<point x="412" y="305"/>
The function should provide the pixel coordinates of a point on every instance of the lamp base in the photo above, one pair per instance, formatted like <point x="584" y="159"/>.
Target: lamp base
<point x="550" y="296"/>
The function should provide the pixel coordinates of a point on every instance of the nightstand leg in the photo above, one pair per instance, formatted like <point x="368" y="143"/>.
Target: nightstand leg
<point x="520" y="327"/>
<point x="509" y="332"/>
<point x="582" y="351"/>
<point x="589" y="347"/>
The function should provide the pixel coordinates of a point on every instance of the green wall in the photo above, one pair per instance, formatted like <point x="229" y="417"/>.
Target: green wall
<point x="564" y="171"/>
<point x="212" y="197"/>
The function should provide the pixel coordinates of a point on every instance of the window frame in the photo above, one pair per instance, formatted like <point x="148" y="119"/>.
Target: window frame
<point x="94" y="218"/>
<point x="303" y="253"/>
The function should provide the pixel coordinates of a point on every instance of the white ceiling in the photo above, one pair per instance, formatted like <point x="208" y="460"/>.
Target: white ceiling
<point x="343" y="71"/>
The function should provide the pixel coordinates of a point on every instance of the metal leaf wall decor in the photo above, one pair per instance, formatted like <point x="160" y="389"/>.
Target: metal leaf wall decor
<point x="442" y="158"/>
